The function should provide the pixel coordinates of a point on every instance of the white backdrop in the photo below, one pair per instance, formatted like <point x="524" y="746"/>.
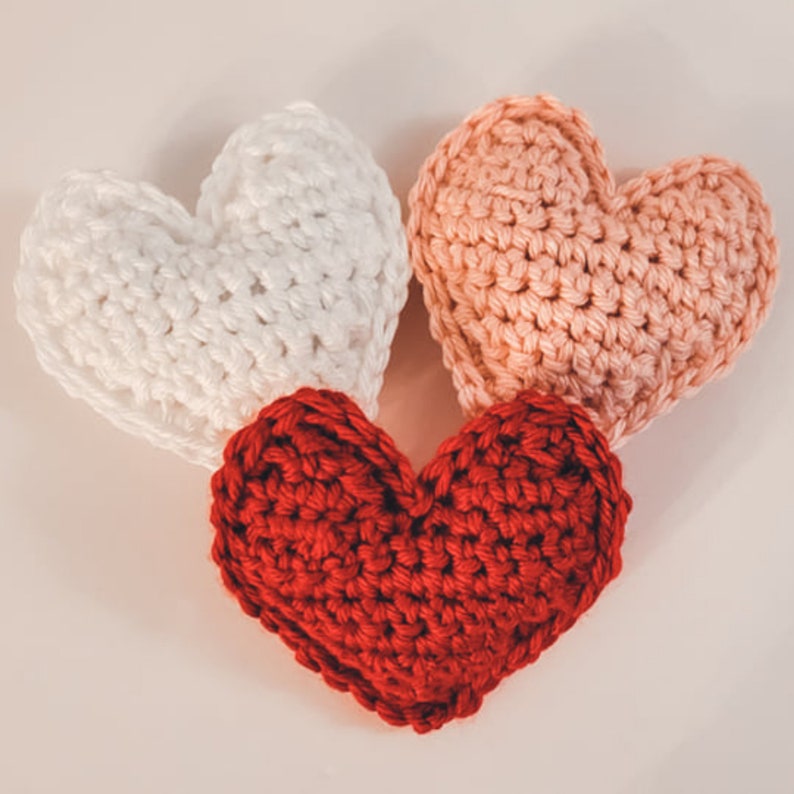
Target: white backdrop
<point x="124" y="667"/>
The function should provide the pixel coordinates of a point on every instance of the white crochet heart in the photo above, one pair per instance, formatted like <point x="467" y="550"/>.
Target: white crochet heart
<point x="179" y="328"/>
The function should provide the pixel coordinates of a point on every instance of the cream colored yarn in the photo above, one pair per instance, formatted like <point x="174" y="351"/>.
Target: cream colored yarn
<point x="179" y="328"/>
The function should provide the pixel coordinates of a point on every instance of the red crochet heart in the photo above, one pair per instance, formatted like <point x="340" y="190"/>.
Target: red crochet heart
<point x="418" y="594"/>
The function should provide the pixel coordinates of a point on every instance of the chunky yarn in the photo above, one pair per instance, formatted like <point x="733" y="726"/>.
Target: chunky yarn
<point x="418" y="594"/>
<point x="179" y="328"/>
<point x="539" y="272"/>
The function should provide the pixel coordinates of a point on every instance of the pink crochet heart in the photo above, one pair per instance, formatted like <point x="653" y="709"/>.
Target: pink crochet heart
<point x="538" y="272"/>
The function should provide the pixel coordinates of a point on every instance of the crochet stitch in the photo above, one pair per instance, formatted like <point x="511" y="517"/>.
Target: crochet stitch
<point x="539" y="272"/>
<point x="179" y="328"/>
<point x="418" y="594"/>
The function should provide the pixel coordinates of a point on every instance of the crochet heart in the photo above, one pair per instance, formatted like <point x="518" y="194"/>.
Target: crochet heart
<point x="539" y="272"/>
<point x="418" y="594"/>
<point x="178" y="328"/>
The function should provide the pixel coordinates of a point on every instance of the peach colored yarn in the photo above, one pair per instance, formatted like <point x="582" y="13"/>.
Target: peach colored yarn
<point x="539" y="272"/>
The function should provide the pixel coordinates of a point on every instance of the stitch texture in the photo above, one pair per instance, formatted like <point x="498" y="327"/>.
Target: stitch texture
<point x="538" y="272"/>
<point x="418" y="594"/>
<point x="179" y="328"/>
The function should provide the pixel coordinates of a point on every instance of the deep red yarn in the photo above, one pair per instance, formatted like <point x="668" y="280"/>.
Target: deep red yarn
<point x="418" y="594"/>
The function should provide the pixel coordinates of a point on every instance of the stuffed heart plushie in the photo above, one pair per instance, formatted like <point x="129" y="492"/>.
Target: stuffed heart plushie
<point x="179" y="327"/>
<point x="539" y="272"/>
<point x="418" y="593"/>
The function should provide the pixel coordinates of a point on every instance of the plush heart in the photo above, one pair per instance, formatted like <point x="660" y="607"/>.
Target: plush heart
<point x="418" y="594"/>
<point x="539" y="272"/>
<point x="178" y="328"/>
